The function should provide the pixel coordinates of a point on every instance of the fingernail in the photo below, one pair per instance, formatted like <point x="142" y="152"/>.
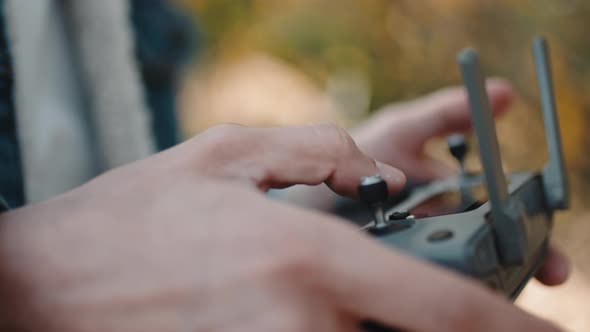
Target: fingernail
<point x="564" y="269"/>
<point x="394" y="177"/>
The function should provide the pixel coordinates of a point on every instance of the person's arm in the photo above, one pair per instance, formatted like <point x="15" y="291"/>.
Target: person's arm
<point x="187" y="241"/>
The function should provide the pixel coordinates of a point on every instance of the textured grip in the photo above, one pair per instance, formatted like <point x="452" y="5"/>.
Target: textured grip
<point x="373" y="190"/>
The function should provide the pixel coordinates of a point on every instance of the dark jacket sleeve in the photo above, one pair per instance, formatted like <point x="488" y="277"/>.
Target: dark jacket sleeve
<point x="165" y="39"/>
<point x="11" y="177"/>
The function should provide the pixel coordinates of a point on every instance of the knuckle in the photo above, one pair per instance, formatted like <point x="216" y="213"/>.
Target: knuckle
<point x="223" y="133"/>
<point x="447" y="119"/>
<point x="220" y="138"/>
<point x="214" y="149"/>
<point x="341" y="141"/>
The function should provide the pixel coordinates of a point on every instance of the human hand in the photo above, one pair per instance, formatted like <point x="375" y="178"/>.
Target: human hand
<point x="398" y="133"/>
<point x="186" y="241"/>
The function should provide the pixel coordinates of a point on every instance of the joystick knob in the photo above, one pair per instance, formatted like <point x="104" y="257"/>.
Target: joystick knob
<point x="373" y="191"/>
<point x="458" y="147"/>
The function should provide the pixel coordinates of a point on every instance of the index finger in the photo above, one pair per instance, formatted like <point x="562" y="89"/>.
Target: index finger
<point x="279" y="157"/>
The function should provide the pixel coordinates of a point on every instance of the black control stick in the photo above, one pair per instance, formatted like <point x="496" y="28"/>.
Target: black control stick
<point x="373" y="191"/>
<point x="458" y="147"/>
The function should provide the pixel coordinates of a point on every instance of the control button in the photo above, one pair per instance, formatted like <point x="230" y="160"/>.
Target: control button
<point x="373" y="191"/>
<point x="458" y="147"/>
<point x="398" y="216"/>
<point x="440" y="236"/>
<point x="401" y="220"/>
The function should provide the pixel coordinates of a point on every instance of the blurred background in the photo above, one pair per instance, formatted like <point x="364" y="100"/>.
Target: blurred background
<point x="268" y="62"/>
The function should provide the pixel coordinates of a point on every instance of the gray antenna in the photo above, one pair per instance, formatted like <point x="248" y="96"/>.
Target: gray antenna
<point x="485" y="128"/>
<point x="554" y="174"/>
<point x="509" y="231"/>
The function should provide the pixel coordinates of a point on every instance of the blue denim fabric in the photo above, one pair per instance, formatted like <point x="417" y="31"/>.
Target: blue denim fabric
<point x="164" y="42"/>
<point x="11" y="177"/>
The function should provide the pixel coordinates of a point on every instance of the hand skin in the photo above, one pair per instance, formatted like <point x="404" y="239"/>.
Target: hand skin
<point x="187" y="241"/>
<point x="396" y="135"/>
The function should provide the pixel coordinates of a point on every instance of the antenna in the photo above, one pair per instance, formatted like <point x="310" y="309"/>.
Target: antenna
<point x="509" y="230"/>
<point x="554" y="174"/>
<point x="484" y="127"/>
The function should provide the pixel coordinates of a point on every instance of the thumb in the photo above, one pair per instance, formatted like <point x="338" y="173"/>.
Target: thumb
<point x="447" y="111"/>
<point x="279" y="157"/>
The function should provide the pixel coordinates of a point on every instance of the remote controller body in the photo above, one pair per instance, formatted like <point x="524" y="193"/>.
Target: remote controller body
<point x="492" y="227"/>
<point x="463" y="239"/>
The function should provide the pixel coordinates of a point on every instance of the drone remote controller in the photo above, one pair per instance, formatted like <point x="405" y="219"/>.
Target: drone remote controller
<point x="492" y="227"/>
